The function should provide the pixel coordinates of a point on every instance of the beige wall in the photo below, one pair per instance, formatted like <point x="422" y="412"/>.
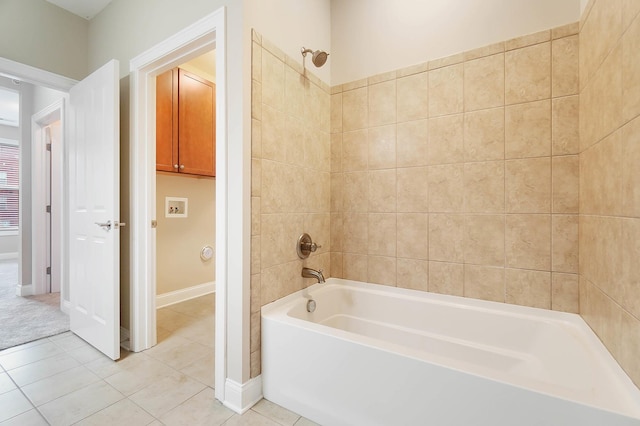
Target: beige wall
<point x="124" y="29"/>
<point x="609" y="181"/>
<point x="290" y="178"/>
<point x="374" y="36"/>
<point x="179" y="240"/>
<point x="460" y="176"/>
<point x="291" y="24"/>
<point x="37" y="33"/>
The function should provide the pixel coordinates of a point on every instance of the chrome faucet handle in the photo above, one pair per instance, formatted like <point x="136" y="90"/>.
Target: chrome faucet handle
<point x="313" y="246"/>
<point x="305" y="246"/>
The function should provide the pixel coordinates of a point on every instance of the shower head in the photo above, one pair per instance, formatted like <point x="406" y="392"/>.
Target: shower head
<point x="318" y="57"/>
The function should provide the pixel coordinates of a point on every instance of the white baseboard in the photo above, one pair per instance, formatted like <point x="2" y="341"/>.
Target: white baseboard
<point x="9" y="256"/>
<point x="125" y="341"/>
<point x="241" y="397"/>
<point x="24" y="290"/>
<point x="173" y="297"/>
<point x="65" y="307"/>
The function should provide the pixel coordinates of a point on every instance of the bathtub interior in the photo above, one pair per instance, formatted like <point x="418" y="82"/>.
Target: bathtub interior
<point x="550" y="352"/>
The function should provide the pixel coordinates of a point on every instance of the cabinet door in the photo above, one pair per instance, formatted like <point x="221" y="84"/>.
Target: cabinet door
<point x="167" y="121"/>
<point x="197" y="130"/>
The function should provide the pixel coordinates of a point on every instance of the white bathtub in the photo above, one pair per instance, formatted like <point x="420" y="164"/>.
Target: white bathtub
<point x="377" y="355"/>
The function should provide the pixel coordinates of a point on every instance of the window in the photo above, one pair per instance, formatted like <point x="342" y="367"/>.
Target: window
<point x="9" y="184"/>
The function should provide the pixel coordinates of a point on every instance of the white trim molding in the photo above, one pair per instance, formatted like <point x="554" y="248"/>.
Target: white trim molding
<point x="35" y="76"/>
<point x="241" y="397"/>
<point x="202" y="36"/>
<point x="24" y="290"/>
<point x="182" y="295"/>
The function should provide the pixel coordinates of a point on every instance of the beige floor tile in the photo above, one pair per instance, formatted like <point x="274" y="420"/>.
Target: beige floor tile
<point x="69" y="342"/>
<point x="85" y="354"/>
<point x="130" y="381"/>
<point x="82" y="403"/>
<point x="250" y="418"/>
<point x="6" y="384"/>
<point x="28" y="418"/>
<point x="305" y="422"/>
<point x="60" y="384"/>
<point x="198" y="307"/>
<point x="42" y="369"/>
<point x="105" y="367"/>
<point x="275" y="412"/>
<point x="120" y="413"/>
<point x="202" y="332"/>
<point x="203" y="370"/>
<point x="183" y="355"/>
<point x="13" y="403"/>
<point x="163" y="395"/>
<point x="202" y="409"/>
<point x="22" y="347"/>
<point x="28" y="355"/>
<point x="172" y="320"/>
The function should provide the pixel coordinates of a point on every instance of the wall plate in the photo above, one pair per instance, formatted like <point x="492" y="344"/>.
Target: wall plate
<point x="175" y="207"/>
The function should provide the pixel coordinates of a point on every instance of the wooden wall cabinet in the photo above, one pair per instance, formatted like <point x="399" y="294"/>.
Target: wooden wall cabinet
<point x="185" y="123"/>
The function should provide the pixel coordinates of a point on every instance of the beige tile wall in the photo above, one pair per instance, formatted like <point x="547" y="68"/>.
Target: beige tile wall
<point x="460" y="175"/>
<point x="609" y="177"/>
<point x="291" y="180"/>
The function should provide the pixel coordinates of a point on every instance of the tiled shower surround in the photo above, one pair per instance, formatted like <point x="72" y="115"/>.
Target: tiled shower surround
<point x="291" y="178"/>
<point x="610" y="177"/>
<point x="462" y="175"/>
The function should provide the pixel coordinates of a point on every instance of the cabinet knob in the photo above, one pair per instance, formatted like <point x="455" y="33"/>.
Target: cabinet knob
<point x="175" y="166"/>
<point x="181" y="166"/>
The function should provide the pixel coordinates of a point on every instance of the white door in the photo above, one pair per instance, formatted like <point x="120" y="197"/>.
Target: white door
<point x="94" y="209"/>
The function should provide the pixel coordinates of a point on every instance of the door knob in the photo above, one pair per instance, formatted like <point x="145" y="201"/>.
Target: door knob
<point x="181" y="166"/>
<point x="175" y="166"/>
<point x="104" y="225"/>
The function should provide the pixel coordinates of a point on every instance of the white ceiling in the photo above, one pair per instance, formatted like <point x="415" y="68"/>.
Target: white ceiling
<point x="86" y="9"/>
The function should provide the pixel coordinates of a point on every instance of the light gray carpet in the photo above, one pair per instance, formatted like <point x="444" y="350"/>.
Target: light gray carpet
<point x="24" y="319"/>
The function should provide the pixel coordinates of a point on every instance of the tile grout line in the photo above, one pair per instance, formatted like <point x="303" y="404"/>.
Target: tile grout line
<point x="26" y="397"/>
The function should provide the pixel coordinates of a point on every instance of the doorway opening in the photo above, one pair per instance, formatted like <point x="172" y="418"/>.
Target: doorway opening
<point x="32" y="306"/>
<point x="203" y="36"/>
<point x="186" y="206"/>
<point x="47" y="145"/>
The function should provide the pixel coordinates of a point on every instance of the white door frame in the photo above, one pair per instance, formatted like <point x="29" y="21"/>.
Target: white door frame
<point x="202" y="36"/>
<point x="39" y="181"/>
<point x="35" y="76"/>
<point x="39" y="77"/>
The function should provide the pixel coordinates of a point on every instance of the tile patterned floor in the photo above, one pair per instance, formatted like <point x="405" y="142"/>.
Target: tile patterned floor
<point x="61" y="380"/>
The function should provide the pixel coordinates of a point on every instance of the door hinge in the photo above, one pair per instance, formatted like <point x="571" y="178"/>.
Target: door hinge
<point x="48" y="209"/>
<point x="48" y="147"/>
<point x="48" y="270"/>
